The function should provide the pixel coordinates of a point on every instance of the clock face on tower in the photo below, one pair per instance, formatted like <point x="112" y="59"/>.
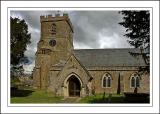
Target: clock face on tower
<point x="52" y="42"/>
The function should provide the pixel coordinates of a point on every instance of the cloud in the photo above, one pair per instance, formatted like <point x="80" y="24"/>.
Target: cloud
<point x="92" y="29"/>
<point x="29" y="67"/>
<point x="89" y="24"/>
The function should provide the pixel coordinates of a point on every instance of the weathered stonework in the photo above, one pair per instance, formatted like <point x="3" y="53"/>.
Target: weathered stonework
<point x="59" y="69"/>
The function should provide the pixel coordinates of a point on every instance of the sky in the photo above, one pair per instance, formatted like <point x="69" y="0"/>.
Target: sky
<point x="92" y="30"/>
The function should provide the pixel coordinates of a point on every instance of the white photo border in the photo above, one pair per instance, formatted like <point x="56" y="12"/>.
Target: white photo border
<point x="108" y="107"/>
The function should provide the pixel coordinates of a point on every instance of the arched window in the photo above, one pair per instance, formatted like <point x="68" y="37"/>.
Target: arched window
<point x="109" y="81"/>
<point x="45" y="51"/>
<point x="106" y="81"/>
<point x="132" y="82"/>
<point x="135" y="80"/>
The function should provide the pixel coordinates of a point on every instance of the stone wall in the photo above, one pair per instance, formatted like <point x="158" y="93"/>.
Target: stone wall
<point x="56" y="82"/>
<point x="124" y="81"/>
<point x="144" y="83"/>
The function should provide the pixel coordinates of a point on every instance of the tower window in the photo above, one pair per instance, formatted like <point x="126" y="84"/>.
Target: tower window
<point x="53" y="29"/>
<point x="45" y="51"/>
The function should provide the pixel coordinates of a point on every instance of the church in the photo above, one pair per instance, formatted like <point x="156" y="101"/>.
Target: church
<point x="70" y="72"/>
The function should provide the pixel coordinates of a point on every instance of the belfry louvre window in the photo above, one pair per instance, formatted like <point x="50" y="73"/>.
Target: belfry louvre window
<point x="53" y="29"/>
<point x="135" y="81"/>
<point x="106" y="80"/>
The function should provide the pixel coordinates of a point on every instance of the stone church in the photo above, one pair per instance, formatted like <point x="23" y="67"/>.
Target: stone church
<point x="73" y="72"/>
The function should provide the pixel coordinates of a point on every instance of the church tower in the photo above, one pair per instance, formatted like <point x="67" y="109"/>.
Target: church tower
<point x="55" y="46"/>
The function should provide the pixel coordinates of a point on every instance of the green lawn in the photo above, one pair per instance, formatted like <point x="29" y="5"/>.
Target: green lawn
<point x="100" y="98"/>
<point x="34" y="96"/>
<point x="41" y="96"/>
<point x="115" y="98"/>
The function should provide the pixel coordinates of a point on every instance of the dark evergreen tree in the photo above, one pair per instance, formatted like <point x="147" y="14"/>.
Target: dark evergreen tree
<point x="119" y="85"/>
<point x="137" y="24"/>
<point x="20" y="38"/>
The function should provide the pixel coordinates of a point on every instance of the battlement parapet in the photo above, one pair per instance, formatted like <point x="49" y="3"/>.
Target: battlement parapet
<point x="56" y="17"/>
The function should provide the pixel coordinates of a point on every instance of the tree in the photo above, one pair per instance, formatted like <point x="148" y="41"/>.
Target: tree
<point x="137" y="24"/>
<point x="20" y="38"/>
<point x="119" y="85"/>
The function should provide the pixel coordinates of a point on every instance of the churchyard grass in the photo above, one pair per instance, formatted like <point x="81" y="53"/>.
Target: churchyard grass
<point x="113" y="98"/>
<point x="41" y="96"/>
<point x="101" y="98"/>
<point x="33" y="96"/>
<point x="29" y="95"/>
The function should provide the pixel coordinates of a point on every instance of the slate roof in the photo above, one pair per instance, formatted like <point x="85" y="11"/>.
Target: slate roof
<point x="109" y="57"/>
